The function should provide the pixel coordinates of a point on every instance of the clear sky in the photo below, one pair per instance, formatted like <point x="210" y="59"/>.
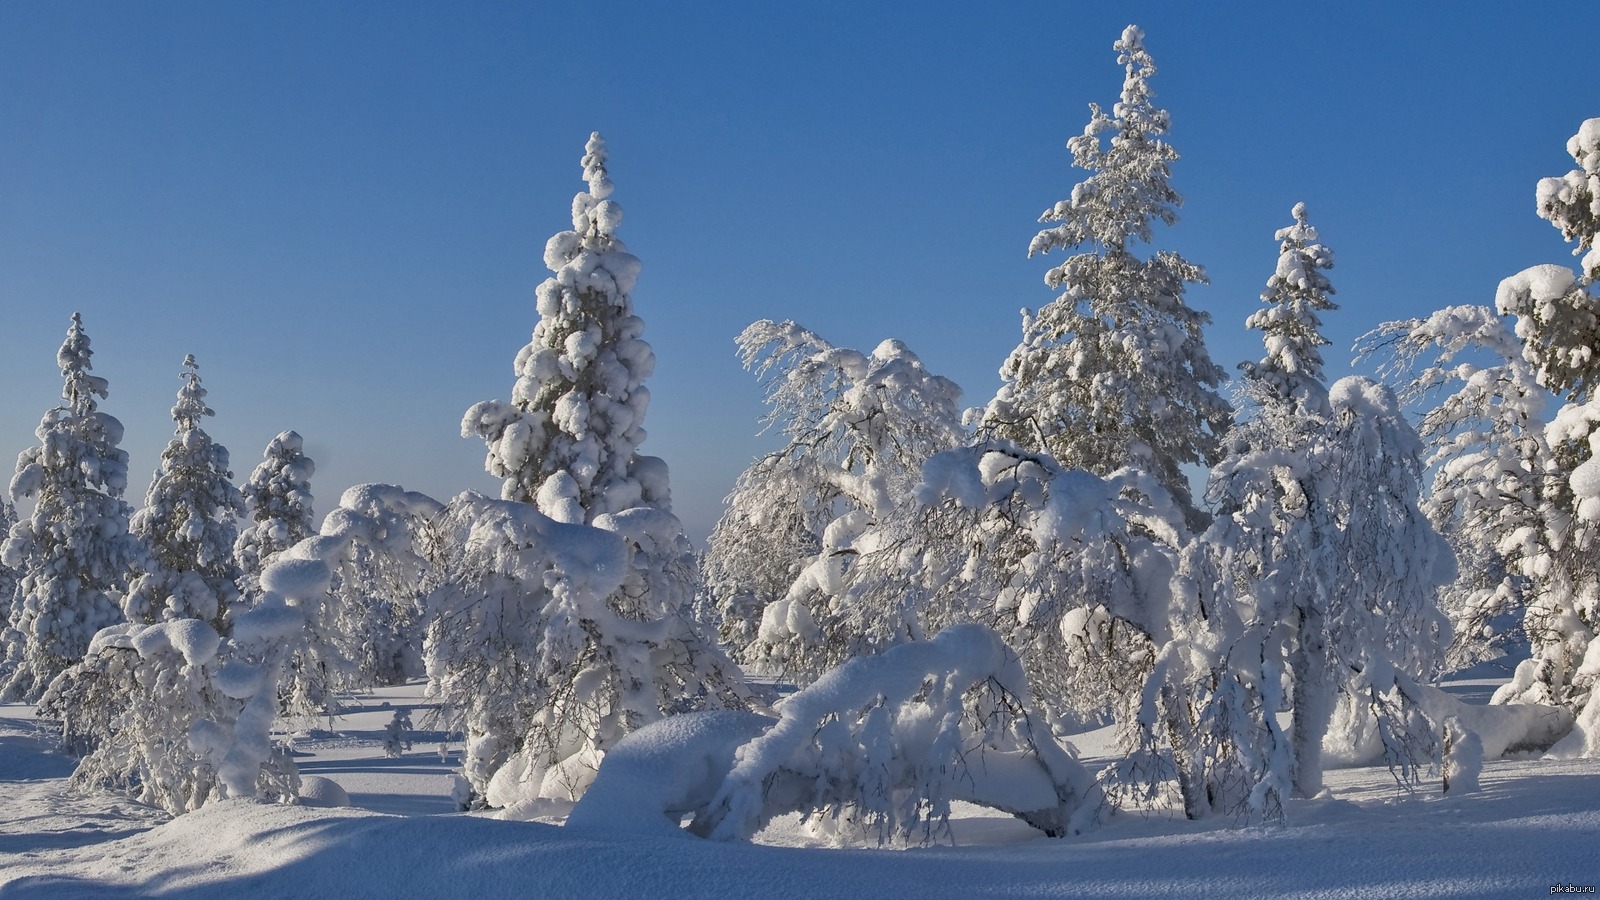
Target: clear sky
<point x="340" y="208"/>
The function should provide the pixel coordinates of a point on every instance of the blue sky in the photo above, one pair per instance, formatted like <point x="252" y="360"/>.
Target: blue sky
<point x="340" y="208"/>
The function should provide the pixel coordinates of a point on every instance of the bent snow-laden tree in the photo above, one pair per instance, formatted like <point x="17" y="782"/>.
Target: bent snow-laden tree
<point x="1492" y="467"/>
<point x="860" y="426"/>
<point x="885" y="742"/>
<point x="1558" y="320"/>
<point x="1338" y="567"/>
<point x="74" y="551"/>
<point x="132" y="700"/>
<point x="1114" y="373"/>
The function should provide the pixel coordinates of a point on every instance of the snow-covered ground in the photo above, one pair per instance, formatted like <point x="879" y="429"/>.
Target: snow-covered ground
<point x="1536" y="824"/>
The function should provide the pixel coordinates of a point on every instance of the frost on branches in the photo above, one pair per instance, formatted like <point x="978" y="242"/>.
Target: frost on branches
<point x="278" y="499"/>
<point x="1115" y="371"/>
<point x="1558" y="320"/>
<point x="859" y="427"/>
<point x="130" y="703"/>
<point x="75" y="552"/>
<point x="568" y="440"/>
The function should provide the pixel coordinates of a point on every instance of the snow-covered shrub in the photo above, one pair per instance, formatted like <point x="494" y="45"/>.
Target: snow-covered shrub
<point x="887" y="742"/>
<point x="859" y="427"/>
<point x="131" y="702"/>
<point x="1114" y="373"/>
<point x="74" y="551"/>
<point x="397" y="734"/>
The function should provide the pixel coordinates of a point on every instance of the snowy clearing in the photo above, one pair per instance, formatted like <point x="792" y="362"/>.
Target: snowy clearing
<point x="1534" y="825"/>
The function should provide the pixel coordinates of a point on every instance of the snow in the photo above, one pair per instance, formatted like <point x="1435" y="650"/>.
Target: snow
<point x="1533" y="824"/>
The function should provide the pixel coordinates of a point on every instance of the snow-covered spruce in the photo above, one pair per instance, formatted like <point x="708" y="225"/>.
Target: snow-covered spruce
<point x="1558" y="320"/>
<point x="1290" y="326"/>
<point x="1115" y="373"/>
<point x="568" y="440"/>
<point x="132" y="701"/>
<point x="885" y="742"/>
<point x="278" y="498"/>
<point x="188" y="523"/>
<point x="859" y="427"/>
<point x="74" y="551"/>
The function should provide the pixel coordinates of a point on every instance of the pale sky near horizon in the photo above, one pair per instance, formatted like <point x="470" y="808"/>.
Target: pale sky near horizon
<point x="340" y="208"/>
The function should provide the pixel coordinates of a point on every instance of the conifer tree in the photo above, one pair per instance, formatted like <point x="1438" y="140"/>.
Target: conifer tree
<point x="1291" y="329"/>
<point x="1115" y="372"/>
<point x="128" y="706"/>
<point x="568" y="440"/>
<point x="188" y="522"/>
<point x="278" y="498"/>
<point x="74" y="550"/>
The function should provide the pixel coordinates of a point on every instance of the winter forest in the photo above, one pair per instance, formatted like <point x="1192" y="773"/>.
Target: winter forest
<point x="1136" y="584"/>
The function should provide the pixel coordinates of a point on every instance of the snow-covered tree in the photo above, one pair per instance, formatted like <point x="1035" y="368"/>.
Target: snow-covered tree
<point x="1115" y="371"/>
<point x="10" y="597"/>
<point x="568" y="440"/>
<point x="1321" y="534"/>
<point x="882" y="745"/>
<point x="132" y="700"/>
<point x="859" y="427"/>
<point x="278" y="498"/>
<point x="188" y="523"/>
<point x="1558" y="320"/>
<point x="1491" y="464"/>
<point x="74" y="551"/>
<point x="1290" y="326"/>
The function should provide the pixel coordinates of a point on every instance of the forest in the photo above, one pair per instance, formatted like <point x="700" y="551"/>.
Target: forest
<point x="909" y="605"/>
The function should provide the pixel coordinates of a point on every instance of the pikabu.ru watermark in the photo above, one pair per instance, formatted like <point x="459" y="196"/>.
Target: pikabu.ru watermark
<point x="1571" y="889"/>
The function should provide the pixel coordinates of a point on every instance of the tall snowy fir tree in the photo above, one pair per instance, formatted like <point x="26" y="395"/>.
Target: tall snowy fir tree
<point x="544" y="689"/>
<point x="1558" y="320"/>
<point x="1320" y="533"/>
<point x="278" y="500"/>
<point x="131" y="702"/>
<point x="188" y="522"/>
<point x="1115" y="371"/>
<point x="74" y="551"/>
<point x="568" y="441"/>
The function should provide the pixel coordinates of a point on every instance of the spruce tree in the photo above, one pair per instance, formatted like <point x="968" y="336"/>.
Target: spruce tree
<point x="188" y="522"/>
<point x="1114" y="372"/>
<point x="568" y="440"/>
<point x="278" y="498"/>
<point x="1291" y="329"/>
<point x="75" y="550"/>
